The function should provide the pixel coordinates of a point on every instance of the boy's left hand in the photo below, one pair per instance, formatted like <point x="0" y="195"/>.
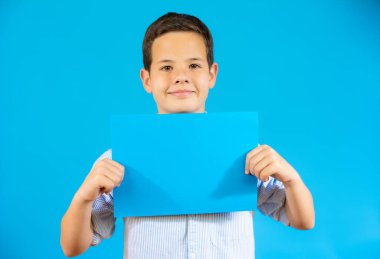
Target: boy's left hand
<point x="264" y="161"/>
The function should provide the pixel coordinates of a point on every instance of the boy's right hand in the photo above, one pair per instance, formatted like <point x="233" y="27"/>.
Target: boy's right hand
<point x="103" y="178"/>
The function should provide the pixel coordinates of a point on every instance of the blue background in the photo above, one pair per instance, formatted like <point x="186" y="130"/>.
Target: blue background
<point x="310" y="68"/>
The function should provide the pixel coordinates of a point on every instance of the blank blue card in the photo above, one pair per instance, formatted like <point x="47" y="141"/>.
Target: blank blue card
<point x="190" y="163"/>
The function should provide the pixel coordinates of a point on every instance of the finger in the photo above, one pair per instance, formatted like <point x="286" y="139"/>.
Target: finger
<point x="252" y="153"/>
<point x="269" y="170"/>
<point x="103" y="173"/>
<point x="106" y="163"/>
<point x="266" y="160"/>
<point x="102" y="183"/>
<point x="260" y="165"/>
<point x="119" y="167"/>
<point x="117" y="170"/>
<point x="254" y="161"/>
<point x="116" y="178"/>
<point x="106" y="185"/>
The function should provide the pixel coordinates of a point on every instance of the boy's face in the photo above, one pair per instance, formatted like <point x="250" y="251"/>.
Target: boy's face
<point x="179" y="76"/>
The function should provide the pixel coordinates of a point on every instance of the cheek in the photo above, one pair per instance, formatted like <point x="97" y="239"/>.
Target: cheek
<point x="202" y="83"/>
<point x="160" y="84"/>
<point x="163" y="82"/>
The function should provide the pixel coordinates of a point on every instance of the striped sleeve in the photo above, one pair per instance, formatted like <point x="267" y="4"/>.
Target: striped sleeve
<point x="102" y="218"/>
<point x="271" y="199"/>
<point x="102" y="215"/>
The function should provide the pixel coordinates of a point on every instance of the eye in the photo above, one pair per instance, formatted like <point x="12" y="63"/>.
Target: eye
<point x="166" y="68"/>
<point x="194" y="66"/>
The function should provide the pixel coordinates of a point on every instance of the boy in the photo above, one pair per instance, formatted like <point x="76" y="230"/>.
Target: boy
<point x="179" y="71"/>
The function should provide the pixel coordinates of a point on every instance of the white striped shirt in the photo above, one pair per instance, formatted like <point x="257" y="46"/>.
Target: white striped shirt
<point x="200" y="236"/>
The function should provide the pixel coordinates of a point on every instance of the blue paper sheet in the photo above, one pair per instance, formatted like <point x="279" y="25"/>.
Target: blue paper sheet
<point x="184" y="163"/>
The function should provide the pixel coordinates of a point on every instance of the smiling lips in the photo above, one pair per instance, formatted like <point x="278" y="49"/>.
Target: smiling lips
<point x="181" y="93"/>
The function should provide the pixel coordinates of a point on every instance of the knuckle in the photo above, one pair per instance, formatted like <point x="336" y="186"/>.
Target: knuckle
<point x="275" y="164"/>
<point x="252" y="160"/>
<point x="99" y="164"/>
<point x="95" y="170"/>
<point x="100" y="168"/>
<point x="272" y="156"/>
<point x="119" y="173"/>
<point x="103" y="161"/>
<point x="97" y="178"/>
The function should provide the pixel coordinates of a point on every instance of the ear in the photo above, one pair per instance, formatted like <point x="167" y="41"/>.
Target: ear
<point x="213" y="74"/>
<point x="145" y="79"/>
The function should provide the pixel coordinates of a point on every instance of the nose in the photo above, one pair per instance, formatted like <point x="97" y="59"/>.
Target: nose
<point x="181" y="77"/>
<point x="181" y="80"/>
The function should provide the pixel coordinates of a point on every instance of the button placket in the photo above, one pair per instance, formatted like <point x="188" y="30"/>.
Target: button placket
<point x="192" y="237"/>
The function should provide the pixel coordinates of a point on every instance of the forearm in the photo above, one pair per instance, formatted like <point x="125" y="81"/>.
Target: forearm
<point x="76" y="232"/>
<point x="299" y="205"/>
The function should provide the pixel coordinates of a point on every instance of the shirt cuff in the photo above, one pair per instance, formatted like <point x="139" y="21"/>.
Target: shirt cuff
<point x="96" y="239"/>
<point x="282" y="217"/>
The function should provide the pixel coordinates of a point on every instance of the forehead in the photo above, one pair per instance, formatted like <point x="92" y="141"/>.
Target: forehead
<point x="178" y="45"/>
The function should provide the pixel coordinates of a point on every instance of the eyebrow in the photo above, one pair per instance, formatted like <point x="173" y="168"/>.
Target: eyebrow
<point x="171" y="61"/>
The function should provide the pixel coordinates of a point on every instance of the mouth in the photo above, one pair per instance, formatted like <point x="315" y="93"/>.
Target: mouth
<point x="181" y="93"/>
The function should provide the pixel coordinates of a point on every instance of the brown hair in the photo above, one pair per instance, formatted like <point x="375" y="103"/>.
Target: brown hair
<point x="172" y="22"/>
